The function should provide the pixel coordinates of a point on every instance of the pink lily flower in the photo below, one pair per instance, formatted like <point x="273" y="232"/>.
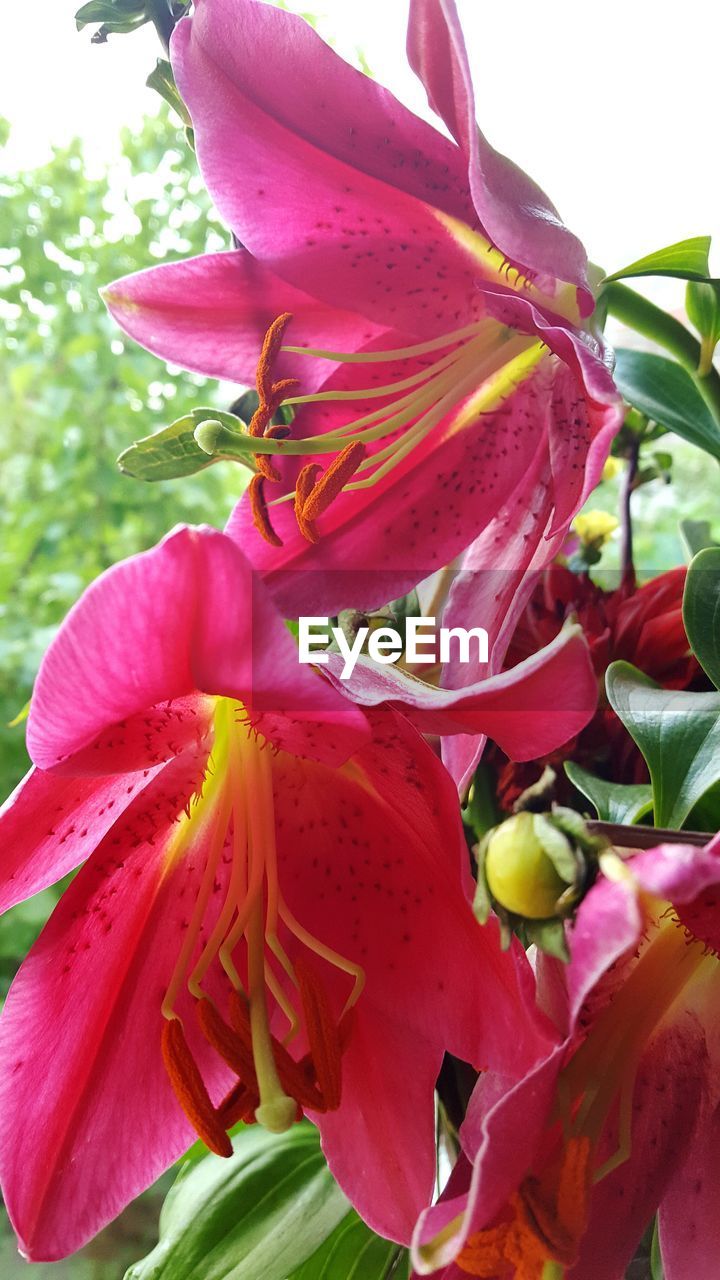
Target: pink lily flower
<point x="565" y="1165"/>
<point x="439" y="308"/>
<point x="272" y="916"/>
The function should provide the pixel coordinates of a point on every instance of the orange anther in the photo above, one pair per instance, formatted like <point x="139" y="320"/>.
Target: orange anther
<point x="189" y="1088"/>
<point x="239" y="1104"/>
<point x="231" y="1047"/>
<point x="303" y="488"/>
<point x="270" y="395"/>
<point x="260" y="516"/>
<point x="294" y="1076"/>
<point x="323" y="1034"/>
<point x="327" y="488"/>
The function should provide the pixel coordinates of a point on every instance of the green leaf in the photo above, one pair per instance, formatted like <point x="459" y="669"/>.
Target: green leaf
<point x="687" y="259"/>
<point x="665" y="392"/>
<point x="548" y="936"/>
<point x="354" y="1252"/>
<point x="170" y="453"/>
<point x="696" y="534"/>
<point x="701" y="611"/>
<point x="613" y="801"/>
<point x="162" y="81"/>
<point x="118" y="15"/>
<point x="677" y="732"/>
<point x="257" y="1216"/>
<point x="702" y="303"/>
<point x="657" y="1270"/>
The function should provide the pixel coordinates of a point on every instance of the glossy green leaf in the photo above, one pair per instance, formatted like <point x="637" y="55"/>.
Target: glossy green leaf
<point x="354" y="1252"/>
<point x="613" y="801"/>
<point x="687" y="259"/>
<point x="702" y="303"/>
<point x="665" y="392"/>
<point x="678" y="734"/>
<point x="257" y="1216"/>
<point x="701" y="611"/>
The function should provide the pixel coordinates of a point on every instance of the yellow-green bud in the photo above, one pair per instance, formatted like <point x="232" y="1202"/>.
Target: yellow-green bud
<point x="519" y="873"/>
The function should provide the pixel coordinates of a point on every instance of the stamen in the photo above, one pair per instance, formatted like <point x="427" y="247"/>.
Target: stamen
<point x="190" y="1091"/>
<point x="270" y="394"/>
<point x="325" y="952"/>
<point x="303" y="488"/>
<point x="323" y="1035"/>
<point x="193" y="827"/>
<point x="258" y="508"/>
<point x="239" y="1105"/>
<point x="398" y="353"/>
<point x="294" y="1075"/>
<point x="327" y="488"/>
<point x="231" y="1047"/>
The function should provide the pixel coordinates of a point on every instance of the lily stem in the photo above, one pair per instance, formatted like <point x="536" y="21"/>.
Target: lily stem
<point x="163" y="19"/>
<point x="639" y="836"/>
<point x="652" y="322"/>
<point x="626" y="530"/>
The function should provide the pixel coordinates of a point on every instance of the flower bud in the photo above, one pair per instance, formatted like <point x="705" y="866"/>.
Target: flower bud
<point x="520" y="874"/>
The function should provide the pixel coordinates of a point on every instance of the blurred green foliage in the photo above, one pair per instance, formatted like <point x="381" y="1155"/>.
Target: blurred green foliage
<point x="75" y="393"/>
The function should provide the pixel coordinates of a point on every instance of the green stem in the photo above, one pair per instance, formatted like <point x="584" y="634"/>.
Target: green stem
<point x="162" y="18"/>
<point x="652" y="322"/>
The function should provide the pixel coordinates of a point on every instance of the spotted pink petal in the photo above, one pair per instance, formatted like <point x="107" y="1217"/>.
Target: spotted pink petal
<point x="689" y="1225"/>
<point x="515" y="213"/>
<point x="50" y="824"/>
<point x="87" y="1115"/>
<point x="211" y="313"/>
<point x="301" y="205"/>
<point x="122" y="676"/>
<point x="670" y="1114"/>
<point x="387" y="892"/>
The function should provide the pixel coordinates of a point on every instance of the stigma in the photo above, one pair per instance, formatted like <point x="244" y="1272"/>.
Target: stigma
<point x="267" y="959"/>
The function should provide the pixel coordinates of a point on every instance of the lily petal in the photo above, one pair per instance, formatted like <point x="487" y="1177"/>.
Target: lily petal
<point x="211" y="313"/>
<point x="407" y="921"/>
<point x="99" y="1122"/>
<point x="515" y="213"/>
<point x="179" y="605"/>
<point x="334" y="230"/>
<point x="668" y="1114"/>
<point x="530" y="710"/>
<point x="689" y="1225"/>
<point x="494" y="582"/>
<point x="50" y="824"/>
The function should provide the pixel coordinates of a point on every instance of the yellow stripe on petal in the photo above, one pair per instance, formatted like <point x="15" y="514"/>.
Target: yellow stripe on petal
<point x="494" y="266"/>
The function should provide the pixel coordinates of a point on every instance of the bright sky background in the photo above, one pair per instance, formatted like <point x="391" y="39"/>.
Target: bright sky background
<point x="611" y="106"/>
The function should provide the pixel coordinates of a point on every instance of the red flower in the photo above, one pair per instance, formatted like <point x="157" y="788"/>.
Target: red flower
<point x="642" y="625"/>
